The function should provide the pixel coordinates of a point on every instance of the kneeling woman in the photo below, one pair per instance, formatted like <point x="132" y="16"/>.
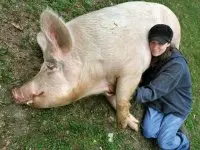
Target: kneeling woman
<point x="166" y="91"/>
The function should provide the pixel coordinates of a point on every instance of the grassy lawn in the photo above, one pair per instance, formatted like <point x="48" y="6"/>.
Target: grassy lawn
<point x="87" y="123"/>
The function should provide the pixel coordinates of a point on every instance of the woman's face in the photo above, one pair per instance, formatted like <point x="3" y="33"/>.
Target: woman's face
<point x="157" y="48"/>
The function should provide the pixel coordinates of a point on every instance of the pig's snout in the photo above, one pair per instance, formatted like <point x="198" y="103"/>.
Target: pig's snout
<point x="21" y="97"/>
<point x="17" y="95"/>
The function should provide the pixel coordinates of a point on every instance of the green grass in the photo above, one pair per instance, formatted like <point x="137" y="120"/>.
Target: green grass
<point x="5" y="72"/>
<point x="85" y="124"/>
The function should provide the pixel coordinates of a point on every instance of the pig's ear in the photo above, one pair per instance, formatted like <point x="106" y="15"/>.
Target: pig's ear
<point x="55" y="30"/>
<point x="42" y="41"/>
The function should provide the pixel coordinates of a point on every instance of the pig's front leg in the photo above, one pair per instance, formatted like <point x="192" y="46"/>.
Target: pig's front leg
<point x="132" y="121"/>
<point x="126" y="85"/>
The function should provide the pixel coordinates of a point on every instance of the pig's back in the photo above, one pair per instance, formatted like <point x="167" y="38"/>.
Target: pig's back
<point x="118" y="35"/>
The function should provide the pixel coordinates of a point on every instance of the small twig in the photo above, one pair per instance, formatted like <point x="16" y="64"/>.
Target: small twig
<point x="133" y="137"/>
<point x="17" y="26"/>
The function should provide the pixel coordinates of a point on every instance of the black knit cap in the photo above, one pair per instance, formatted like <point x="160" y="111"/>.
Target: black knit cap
<point x="161" y="33"/>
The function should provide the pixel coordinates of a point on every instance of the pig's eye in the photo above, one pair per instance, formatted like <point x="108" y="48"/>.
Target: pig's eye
<point x="51" y="66"/>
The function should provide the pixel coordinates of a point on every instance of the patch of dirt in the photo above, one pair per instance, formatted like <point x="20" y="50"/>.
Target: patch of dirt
<point x="23" y="62"/>
<point x="13" y="122"/>
<point x="21" y="44"/>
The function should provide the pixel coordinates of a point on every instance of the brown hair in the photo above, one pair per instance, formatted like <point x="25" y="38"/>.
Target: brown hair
<point x="159" y="59"/>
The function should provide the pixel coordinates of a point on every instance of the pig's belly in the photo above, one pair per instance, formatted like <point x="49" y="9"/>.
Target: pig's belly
<point x="101" y="87"/>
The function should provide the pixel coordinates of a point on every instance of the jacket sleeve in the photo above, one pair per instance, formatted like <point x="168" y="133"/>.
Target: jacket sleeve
<point x="165" y="82"/>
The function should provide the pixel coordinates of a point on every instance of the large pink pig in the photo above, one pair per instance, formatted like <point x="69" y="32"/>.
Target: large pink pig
<point x="104" y="51"/>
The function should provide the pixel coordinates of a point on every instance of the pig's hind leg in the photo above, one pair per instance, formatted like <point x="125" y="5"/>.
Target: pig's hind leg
<point x="131" y="121"/>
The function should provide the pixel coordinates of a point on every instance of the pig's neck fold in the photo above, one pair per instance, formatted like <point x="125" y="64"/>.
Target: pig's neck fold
<point x="86" y="77"/>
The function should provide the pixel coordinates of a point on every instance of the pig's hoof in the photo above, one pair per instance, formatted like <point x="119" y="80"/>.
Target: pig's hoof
<point x="132" y="122"/>
<point x="122" y="123"/>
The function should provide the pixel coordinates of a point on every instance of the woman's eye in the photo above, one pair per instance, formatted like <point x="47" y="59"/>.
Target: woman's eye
<point x="51" y="66"/>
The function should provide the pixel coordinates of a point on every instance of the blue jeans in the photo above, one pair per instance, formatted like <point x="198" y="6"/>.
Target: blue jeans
<point x="164" y="128"/>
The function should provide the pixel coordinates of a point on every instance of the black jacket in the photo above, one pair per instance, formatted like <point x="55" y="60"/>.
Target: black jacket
<point x="167" y="87"/>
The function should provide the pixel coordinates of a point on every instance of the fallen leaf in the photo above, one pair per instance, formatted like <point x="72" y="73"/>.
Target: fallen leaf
<point x="17" y="26"/>
<point x="94" y="141"/>
<point x="110" y="137"/>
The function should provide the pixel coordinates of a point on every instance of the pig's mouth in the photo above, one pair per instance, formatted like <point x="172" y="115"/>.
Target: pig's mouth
<point x="24" y="98"/>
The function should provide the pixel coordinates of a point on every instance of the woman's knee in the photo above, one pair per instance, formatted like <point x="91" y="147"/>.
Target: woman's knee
<point x="147" y="133"/>
<point x="151" y="123"/>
